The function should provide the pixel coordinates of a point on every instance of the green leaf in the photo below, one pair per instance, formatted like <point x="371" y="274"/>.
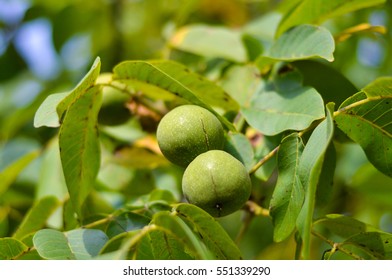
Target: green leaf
<point x="81" y="88"/>
<point x="213" y="235"/>
<point x="46" y="114"/>
<point x="37" y="216"/>
<point x="330" y="83"/>
<point x="208" y="40"/>
<point x="317" y="11"/>
<point x="284" y="105"/>
<point x="165" y="246"/>
<point x="180" y="229"/>
<point x="79" y="146"/>
<point x="239" y="146"/>
<point x="366" y="118"/>
<point x="378" y="245"/>
<point x="11" y="248"/>
<point x="309" y="171"/>
<point x="9" y="174"/>
<point x="173" y="78"/>
<point x="140" y="158"/>
<point x="301" y="42"/>
<point x="325" y="184"/>
<point x="76" y="244"/>
<point x="342" y="226"/>
<point x="125" y="222"/>
<point x="241" y="82"/>
<point x="288" y="196"/>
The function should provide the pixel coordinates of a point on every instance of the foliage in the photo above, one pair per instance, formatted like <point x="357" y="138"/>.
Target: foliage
<point x="305" y="109"/>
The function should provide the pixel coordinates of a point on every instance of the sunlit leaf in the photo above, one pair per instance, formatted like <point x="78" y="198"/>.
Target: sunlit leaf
<point x="78" y="244"/>
<point x="81" y="88"/>
<point x="317" y="11"/>
<point x="207" y="41"/>
<point x="46" y="114"/>
<point x="301" y="42"/>
<point x="284" y="105"/>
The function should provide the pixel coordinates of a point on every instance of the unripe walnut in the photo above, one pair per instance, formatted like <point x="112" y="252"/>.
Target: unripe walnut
<point x="216" y="182"/>
<point x="187" y="131"/>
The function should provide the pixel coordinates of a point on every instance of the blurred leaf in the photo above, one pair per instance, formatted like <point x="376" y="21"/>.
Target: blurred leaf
<point x="208" y="40"/>
<point x="264" y="27"/>
<point x="37" y="216"/>
<point x="373" y="185"/>
<point x="213" y="235"/>
<point x="11" y="248"/>
<point x="79" y="244"/>
<point x="46" y="114"/>
<point x="378" y="245"/>
<point x="239" y="146"/>
<point x="301" y="42"/>
<point x="317" y="11"/>
<point x="366" y="119"/>
<point x="11" y="172"/>
<point x="284" y="105"/>
<point x="310" y="166"/>
<point x="140" y="158"/>
<point x="288" y="196"/>
<point x="176" y="79"/>
<point x="125" y="222"/>
<point x="330" y="83"/>
<point x="342" y="226"/>
<point x="360" y="28"/>
<point x="79" y="146"/>
<point x="241" y="82"/>
<point x="252" y="45"/>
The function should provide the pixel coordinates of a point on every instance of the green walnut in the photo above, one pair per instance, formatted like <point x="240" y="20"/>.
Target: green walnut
<point x="113" y="109"/>
<point x="216" y="182"/>
<point x="187" y="131"/>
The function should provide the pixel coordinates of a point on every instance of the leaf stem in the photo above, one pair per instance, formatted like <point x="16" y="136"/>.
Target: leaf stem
<point x="359" y="103"/>
<point x="264" y="160"/>
<point x="256" y="209"/>
<point x="336" y="246"/>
